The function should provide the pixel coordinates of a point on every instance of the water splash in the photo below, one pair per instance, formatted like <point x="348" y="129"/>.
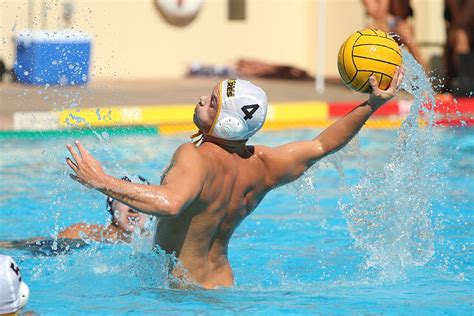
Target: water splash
<point x="305" y="195"/>
<point x="388" y="211"/>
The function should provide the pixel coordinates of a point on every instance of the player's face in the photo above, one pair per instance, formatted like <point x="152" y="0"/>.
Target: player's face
<point x="206" y="111"/>
<point x="127" y="218"/>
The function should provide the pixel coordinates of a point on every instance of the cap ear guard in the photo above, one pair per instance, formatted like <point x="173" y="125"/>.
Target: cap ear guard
<point x="229" y="126"/>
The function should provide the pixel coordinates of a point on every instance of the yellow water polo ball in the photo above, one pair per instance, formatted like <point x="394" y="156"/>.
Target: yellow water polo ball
<point x="366" y="53"/>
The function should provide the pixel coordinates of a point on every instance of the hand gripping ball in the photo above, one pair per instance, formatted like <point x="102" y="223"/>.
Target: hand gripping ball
<point x="366" y="53"/>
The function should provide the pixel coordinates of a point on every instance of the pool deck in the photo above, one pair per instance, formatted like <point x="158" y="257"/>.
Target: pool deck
<point x="170" y="103"/>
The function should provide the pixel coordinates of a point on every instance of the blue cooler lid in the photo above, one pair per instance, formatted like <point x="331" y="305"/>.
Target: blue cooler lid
<point x="60" y="36"/>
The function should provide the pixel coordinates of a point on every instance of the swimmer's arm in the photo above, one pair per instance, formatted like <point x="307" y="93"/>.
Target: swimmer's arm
<point x="82" y="231"/>
<point x="72" y="232"/>
<point x="293" y="159"/>
<point x="182" y="184"/>
<point x="19" y="244"/>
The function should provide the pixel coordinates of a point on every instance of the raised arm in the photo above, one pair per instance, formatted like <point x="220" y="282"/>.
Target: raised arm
<point x="181" y="185"/>
<point x="289" y="161"/>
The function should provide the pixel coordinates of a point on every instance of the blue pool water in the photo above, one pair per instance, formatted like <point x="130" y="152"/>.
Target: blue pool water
<point x="381" y="227"/>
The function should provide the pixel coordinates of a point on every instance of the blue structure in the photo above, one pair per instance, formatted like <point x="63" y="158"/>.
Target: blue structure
<point x="52" y="57"/>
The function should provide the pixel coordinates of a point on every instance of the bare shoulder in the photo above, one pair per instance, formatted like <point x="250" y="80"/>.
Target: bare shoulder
<point x="81" y="230"/>
<point x="267" y="155"/>
<point x="272" y="161"/>
<point x="186" y="169"/>
<point x="280" y="164"/>
<point x="187" y="152"/>
<point x="262" y="152"/>
<point x="187" y="156"/>
<point x="186" y="147"/>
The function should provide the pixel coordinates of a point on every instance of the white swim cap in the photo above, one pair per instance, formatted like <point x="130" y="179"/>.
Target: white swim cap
<point x="14" y="292"/>
<point x="241" y="110"/>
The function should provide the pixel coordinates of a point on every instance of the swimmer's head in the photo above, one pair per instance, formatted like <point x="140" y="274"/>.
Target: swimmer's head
<point x="14" y="293"/>
<point x="235" y="110"/>
<point x="123" y="216"/>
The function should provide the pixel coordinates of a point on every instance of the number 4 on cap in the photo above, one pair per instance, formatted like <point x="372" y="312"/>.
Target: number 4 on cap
<point x="249" y="110"/>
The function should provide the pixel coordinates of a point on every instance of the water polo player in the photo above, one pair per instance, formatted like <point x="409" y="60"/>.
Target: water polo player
<point x="213" y="184"/>
<point x="14" y="292"/>
<point x="124" y="222"/>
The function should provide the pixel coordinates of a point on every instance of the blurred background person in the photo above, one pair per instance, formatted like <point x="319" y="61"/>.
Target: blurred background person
<point x="258" y="68"/>
<point x="250" y="68"/>
<point x="14" y="292"/>
<point x="459" y="17"/>
<point x="393" y="16"/>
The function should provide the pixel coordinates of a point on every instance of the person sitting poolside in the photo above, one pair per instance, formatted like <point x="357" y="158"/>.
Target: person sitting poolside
<point x="214" y="183"/>
<point x="124" y="222"/>
<point x="14" y="292"/>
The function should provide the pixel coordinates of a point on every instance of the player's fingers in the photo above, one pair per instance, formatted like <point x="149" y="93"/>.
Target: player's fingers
<point x="81" y="148"/>
<point x="400" y="77"/>
<point x="394" y="83"/>
<point x="74" y="177"/>
<point x="374" y="85"/>
<point x="76" y="157"/>
<point x="71" y="164"/>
